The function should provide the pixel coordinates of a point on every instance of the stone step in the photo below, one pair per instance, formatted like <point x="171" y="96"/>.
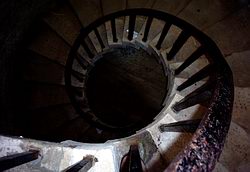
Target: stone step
<point x="43" y="123"/>
<point x="64" y="22"/>
<point x="155" y="28"/>
<point x="42" y="70"/>
<point x="203" y="14"/>
<point x="49" y="44"/>
<point x="87" y="11"/>
<point x="139" y="4"/>
<point x="111" y="6"/>
<point x="43" y="95"/>
<point x="171" y="7"/>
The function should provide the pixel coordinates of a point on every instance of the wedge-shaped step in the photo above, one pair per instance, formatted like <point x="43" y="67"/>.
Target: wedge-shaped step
<point x="42" y="70"/>
<point x="111" y="6"/>
<point x="171" y="7"/>
<point x="57" y="115"/>
<point x="49" y="44"/>
<point x="87" y="11"/>
<point x="64" y="22"/>
<point x="43" y="95"/>
<point x="196" y="12"/>
<point x="139" y="4"/>
<point x="75" y="129"/>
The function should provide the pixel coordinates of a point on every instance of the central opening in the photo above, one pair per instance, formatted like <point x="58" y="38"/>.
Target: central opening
<point x="126" y="87"/>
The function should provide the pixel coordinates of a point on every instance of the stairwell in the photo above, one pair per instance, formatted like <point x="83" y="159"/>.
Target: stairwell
<point x="134" y="82"/>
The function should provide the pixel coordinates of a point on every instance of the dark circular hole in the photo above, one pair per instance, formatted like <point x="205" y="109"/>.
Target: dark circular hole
<point x="126" y="86"/>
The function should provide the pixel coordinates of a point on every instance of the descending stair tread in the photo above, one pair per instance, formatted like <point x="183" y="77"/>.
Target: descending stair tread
<point x="41" y="69"/>
<point x="38" y="95"/>
<point x="88" y="11"/>
<point x="155" y="28"/>
<point x="111" y="6"/>
<point x="64" y="22"/>
<point x="139" y="3"/>
<point x="50" y="45"/>
<point x="171" y="7"/>
<point x="56" y="115"/>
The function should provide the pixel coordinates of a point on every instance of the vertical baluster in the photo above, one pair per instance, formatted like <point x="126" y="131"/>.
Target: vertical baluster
<point x="163" y="35"/>
<point x="131" y="27"/>
<point x="99" y="38"/>
<point x="198" y="53"/>
<point x="182" y="38"/>
<point x="87" y="49"/>
<point x="113" y="28"/>
<point x="204" y="72"/>
<point x="147" y="28"/>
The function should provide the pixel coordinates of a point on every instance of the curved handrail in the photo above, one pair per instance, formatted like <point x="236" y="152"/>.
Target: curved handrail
<point x="207" y="143"/>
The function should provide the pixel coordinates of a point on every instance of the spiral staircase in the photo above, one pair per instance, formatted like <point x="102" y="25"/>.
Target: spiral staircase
<point x="81" y="61"/>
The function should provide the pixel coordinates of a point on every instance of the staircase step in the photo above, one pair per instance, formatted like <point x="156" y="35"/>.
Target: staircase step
<point x="203" y="14"/>
<point x="43" y="95"/>
<point x="50" y="45"/>
<point x="171" y="7"/>
<point x="235" y="39"/>
<point x="171" y="141"/>
<point x="75" y="129"/>
<point x="139" y="3"/>
<point x="87" y="11"/>
<point x="239" y="63"/>
<point x="64" y="22"/>
<point x="43" y="122"/>
<point x="111" y="6"/>
<point x="42" y="70"/>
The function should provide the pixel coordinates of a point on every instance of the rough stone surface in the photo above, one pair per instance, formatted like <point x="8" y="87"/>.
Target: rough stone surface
<point x="232" y="34"/>
<point x="239" y="63"/>
<point x="171" y="7"/>
<point x="88" y="11"/>
<point x="203" y="14"/>
<point x="64" y="22"/>
<point x="50" y="45"/>
<point x="110" y="6"/>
